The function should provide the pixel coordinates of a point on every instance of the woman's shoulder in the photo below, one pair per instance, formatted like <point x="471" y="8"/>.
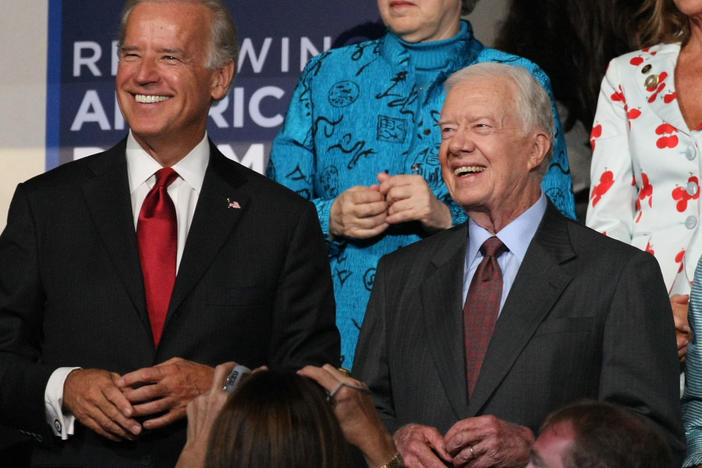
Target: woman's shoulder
<point x="342" y="62"/>
<point x="641" y="56"/>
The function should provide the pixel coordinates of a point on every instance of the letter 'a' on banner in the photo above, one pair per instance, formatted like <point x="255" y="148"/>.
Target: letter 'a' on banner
<point x="82" y="112"/>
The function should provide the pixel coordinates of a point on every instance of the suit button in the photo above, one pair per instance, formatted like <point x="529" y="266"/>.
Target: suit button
<point x="691" y="222"/>
<point x="690" y="153"/>
<point x="692" y="188"/>
<point x="147" y="460"/>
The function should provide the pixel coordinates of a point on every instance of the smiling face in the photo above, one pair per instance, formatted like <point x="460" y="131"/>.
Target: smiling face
<point x="164" y="88"/>
<point x="490" y="163"/>
<point x="421" y="20"/>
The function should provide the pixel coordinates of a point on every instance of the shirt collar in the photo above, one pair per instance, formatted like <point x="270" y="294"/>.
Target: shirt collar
<point x="141" y="166"/>
<point x="517" y="235"/>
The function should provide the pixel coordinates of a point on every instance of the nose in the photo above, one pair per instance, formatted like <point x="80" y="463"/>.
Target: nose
<point x="146" y="72"/>
<point x="461" y="142"/>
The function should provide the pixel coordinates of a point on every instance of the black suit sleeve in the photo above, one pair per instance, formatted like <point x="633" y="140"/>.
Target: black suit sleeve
<point x="23" y="377"/>
<point x="639" y="361"/>
<point x="371" y="362"/>
<point x="304" y="329"/>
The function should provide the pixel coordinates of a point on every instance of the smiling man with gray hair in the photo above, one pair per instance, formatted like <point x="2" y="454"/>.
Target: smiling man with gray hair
<point x="127" y="275"/>
<point x="474" y="335"/>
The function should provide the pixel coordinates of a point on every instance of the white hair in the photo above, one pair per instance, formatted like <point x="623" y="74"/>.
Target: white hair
<point x="533" y="102"/>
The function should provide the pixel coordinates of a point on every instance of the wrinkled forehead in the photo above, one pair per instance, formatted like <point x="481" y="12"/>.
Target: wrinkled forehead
<point x="481" y="96"/>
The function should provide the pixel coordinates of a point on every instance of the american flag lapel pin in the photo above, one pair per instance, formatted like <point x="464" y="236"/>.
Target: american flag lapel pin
<point x="233" y="204"/>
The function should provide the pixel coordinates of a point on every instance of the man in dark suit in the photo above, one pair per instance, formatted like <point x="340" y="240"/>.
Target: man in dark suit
<point x="474" y="335"/>
<point x="94" y="347"/>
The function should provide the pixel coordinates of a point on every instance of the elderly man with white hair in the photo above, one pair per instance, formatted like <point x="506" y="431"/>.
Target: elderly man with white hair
<point x="475" y="334"/>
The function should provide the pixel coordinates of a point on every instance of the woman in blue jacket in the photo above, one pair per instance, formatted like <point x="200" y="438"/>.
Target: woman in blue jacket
<point x="361" y="141"/>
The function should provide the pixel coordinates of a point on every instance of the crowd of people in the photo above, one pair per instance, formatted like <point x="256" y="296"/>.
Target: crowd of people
<point x="479" y="323"/>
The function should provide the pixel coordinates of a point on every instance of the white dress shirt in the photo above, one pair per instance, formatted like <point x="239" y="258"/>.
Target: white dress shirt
<point x="184" y="191"/>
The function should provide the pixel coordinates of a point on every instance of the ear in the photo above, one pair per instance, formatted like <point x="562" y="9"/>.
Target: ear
<point x="539" y="147"/>
<point x="221" y="79"/>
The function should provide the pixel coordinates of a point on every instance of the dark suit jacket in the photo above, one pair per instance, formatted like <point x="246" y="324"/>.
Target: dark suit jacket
<point x="253" y="286"/>
<point x="587" y="317"/>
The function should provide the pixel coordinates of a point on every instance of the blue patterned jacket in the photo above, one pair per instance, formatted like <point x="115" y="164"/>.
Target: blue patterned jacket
<point x="358" y="111"/>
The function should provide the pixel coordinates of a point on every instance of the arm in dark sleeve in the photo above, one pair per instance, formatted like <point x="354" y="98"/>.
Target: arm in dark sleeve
<point x="22" y="375"/>
<point x="304" y="329"/>
<point x="639" y="363"/>
<point x="371" y="362"/>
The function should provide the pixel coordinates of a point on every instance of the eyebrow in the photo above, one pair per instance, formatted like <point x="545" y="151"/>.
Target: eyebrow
<point x="172" y="51"/>
<point x="128" y="48"/>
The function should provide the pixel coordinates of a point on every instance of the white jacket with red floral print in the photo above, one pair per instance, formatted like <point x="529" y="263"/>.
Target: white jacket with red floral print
<point x="645" y="186"/>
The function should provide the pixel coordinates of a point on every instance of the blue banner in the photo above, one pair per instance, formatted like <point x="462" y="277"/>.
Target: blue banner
<point x="276" y="37"/>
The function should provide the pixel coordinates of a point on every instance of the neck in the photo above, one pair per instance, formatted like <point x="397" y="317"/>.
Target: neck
<point x="494" y="220"/>
<point x="444" y="34"/>
<point x="167" y="153"/>
<point x="694" y="44"/>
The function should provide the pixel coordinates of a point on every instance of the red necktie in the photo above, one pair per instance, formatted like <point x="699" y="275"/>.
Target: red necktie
<point x="158" y="243"/>
<point x="481" y="308"/>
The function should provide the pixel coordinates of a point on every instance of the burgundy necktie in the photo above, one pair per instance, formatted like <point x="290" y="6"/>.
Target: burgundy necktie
<point x="481" y="308"/>
<point x="157" y="235"/>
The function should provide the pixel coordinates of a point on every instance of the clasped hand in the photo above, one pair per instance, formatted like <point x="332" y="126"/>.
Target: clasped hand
<point x="110" y="404"/>
<point x="480" y="442"/>
<point x="362" y="212"/>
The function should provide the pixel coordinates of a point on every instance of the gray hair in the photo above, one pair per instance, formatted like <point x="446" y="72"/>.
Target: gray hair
<point x="533" y="102"/>
<point x="467" y="6"/>
<point x="223" y="46"/>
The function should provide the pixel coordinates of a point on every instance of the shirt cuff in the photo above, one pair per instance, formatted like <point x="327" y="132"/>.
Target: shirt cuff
<point x="61" y="424"/>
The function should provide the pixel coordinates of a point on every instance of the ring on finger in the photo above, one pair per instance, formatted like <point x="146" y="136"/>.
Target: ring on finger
<point x="472" y="452"/>
<point x="330" y="395"/>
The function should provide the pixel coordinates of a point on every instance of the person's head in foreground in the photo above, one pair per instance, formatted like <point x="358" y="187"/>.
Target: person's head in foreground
<point x="277" y="418"/>
<point x="594" y="434"/>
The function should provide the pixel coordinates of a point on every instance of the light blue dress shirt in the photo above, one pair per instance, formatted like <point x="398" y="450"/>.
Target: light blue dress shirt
<point x="517" y="236"/>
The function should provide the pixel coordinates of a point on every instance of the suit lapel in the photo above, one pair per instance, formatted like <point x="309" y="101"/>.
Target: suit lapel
<point x="212" y="224"/>
<point x="442" y="313"/>
<point x="108" y="200"/>
<point x="538" y="285"/>
<point x="668" y="111"/>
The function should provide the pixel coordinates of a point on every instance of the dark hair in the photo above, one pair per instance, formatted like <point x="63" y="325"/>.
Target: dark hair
<point x="277" y="418"/>
<point x="573" y="41"/>
<point x="661" y="21"/>
<point x="610" y="436"/>
<point x="223" y="46"/>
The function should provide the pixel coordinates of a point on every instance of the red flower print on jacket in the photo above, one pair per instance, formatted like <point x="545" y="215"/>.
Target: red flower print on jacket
<point x="683" y="196"/>
<point x="679" y="259"/>
<point x="618" y="95"/>
<point x="645" y="192"/>
<point x="606" y="181"/>
<point x="668" y="138"/>
<point x="595" y="134"/>
<point x="661" y="87"/>
<point x="633" y="114"/>
<point x="649" y="249"/>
